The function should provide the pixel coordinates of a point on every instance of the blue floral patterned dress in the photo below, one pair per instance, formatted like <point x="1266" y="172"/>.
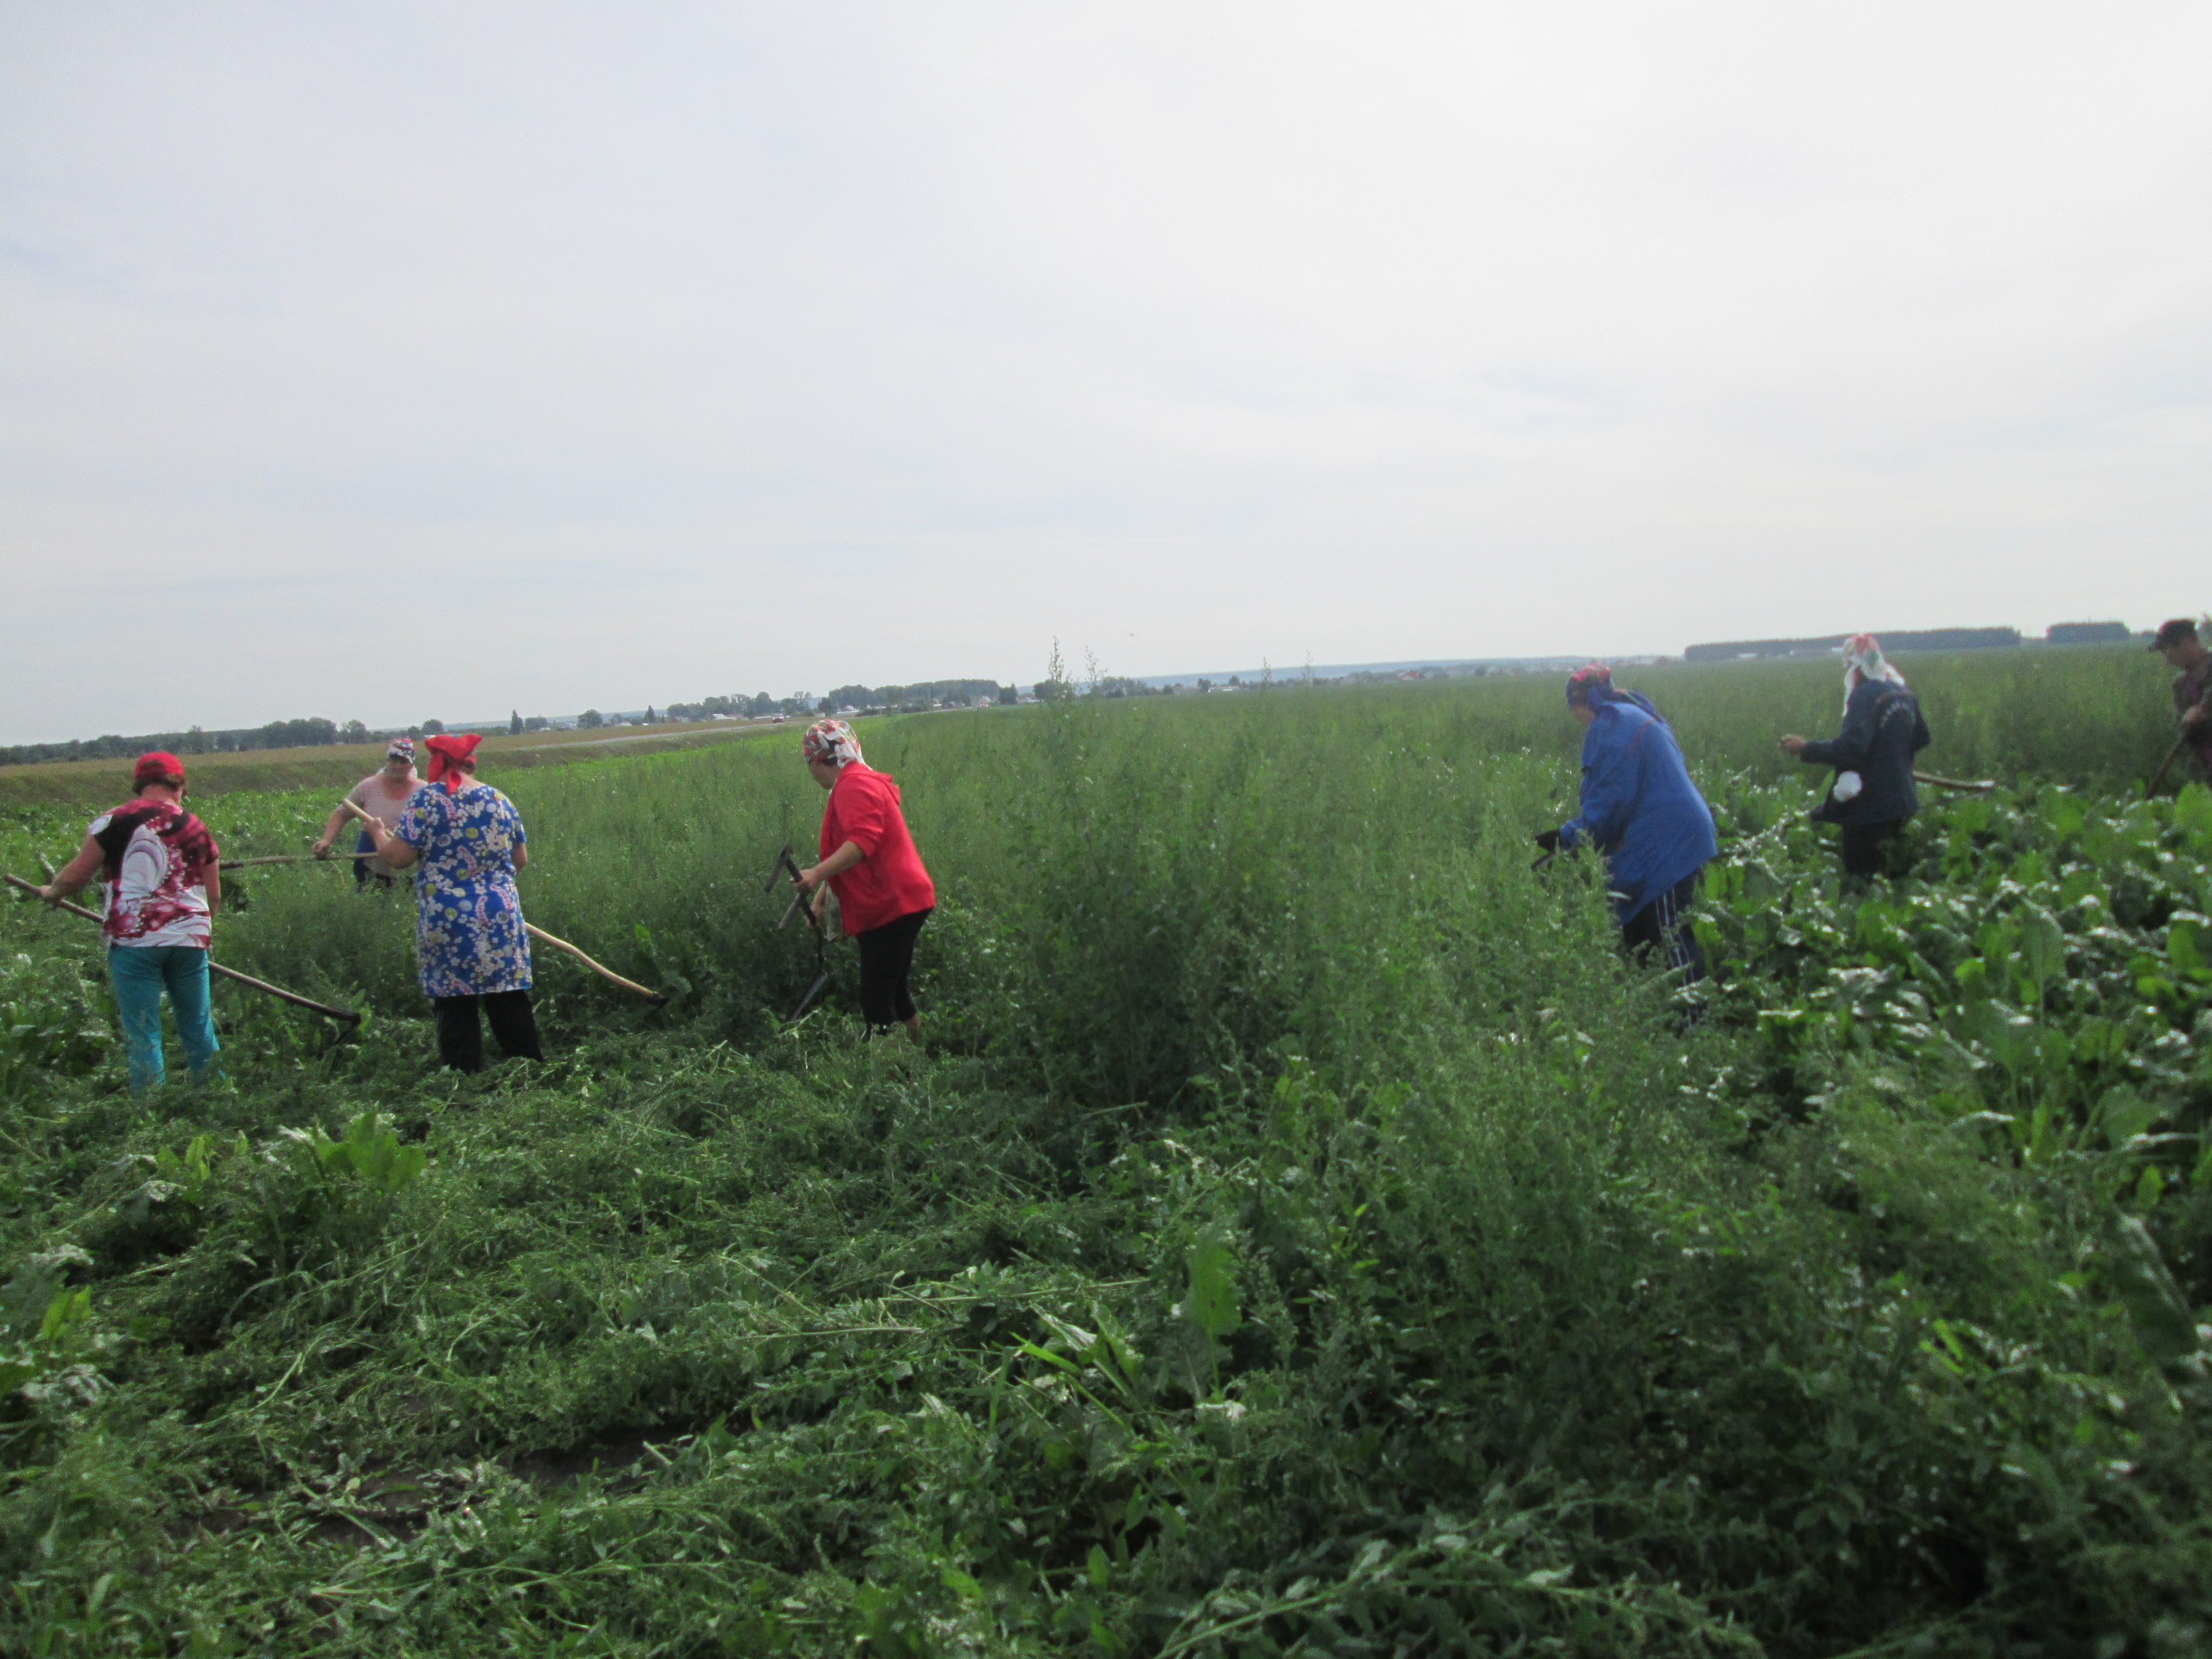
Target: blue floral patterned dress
<point x="468" y="925"/>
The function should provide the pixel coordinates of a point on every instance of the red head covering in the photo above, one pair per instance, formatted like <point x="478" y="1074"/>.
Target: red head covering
<point x="157" y="766"/>
<point x="447" y="751"/>
<point x="1591" y="684"/>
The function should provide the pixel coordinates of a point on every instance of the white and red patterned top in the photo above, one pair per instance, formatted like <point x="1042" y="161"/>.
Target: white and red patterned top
<point x="153" y="887"/>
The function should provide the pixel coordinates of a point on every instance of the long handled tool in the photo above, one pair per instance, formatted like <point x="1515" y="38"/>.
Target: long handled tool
<point x="1981" y="788"/>
<point x="287" y="857"/>
<point x="2166" y="765"/>
<point x="557" y="943"/>
<point x="278" y="992"/>
<point x="787" y="865"/>
<point x="604" y="972"/>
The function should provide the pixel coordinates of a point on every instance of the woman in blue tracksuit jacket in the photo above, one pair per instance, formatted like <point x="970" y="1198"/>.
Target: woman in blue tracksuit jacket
<point x="1642" y="812"/>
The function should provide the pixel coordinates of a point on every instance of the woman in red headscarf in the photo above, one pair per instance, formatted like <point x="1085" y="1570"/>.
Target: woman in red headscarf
<point x="868" y="860"/>
<point x="469" y="938"/>
<point x="161" y="886"/>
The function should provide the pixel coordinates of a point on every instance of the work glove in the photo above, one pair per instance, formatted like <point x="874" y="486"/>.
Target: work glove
<point x="1549" y="840"/>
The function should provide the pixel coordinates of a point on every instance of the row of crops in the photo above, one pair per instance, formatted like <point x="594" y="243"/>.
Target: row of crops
<point x="1304" y="1235"/>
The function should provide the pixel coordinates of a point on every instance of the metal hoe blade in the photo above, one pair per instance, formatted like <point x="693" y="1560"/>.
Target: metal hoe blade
<point x="787" y="867"/>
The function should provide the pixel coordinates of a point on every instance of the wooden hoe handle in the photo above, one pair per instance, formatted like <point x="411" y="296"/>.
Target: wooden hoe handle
<point x="215" y="967"/>
<point x="604" y="972"/>
<point x="1982" y="788"/>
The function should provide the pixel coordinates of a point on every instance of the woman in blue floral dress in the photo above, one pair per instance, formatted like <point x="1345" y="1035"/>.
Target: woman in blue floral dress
<point x="469" y="938"/>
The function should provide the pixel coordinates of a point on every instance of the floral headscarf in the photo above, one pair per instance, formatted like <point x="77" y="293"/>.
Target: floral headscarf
<point x="1863" y="661"/>
<point x="400" y="749"/>
<point x="832" y="741"/>
<point x="447" y="751"/>
<point x="1593" y="686"/>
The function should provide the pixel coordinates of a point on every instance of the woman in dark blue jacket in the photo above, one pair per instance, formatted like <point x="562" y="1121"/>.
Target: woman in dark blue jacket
<point x="1642" y="812"/>
<point x="1873" y="793"/>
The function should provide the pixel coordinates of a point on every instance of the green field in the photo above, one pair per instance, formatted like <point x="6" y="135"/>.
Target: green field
<point x="97" y="783"/>
<point x="1302" y="1233"/>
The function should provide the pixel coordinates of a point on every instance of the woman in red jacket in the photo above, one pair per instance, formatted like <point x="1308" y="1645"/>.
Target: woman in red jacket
<point x="883" y="894"/>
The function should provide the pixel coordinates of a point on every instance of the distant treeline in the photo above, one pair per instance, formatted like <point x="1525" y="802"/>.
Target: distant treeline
<point x="759" y="705"/>
<point x="1928" y="639"/>
<point x="278" y="734"/>
<point x="925" y="695"/>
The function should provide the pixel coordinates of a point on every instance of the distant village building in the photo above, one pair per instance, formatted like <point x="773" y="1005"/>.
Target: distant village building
<point x="1929" y="638"/>
<point x="2085" y="633"/>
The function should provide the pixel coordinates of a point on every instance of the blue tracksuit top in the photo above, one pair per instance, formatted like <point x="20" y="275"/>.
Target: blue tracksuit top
<point x="1639" y="807"/>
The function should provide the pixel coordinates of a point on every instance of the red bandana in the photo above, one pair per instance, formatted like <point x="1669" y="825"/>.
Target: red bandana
<point x="446" y="752"/>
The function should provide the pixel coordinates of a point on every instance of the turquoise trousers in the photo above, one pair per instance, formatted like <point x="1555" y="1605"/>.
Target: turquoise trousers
<point x="140" y="973"/>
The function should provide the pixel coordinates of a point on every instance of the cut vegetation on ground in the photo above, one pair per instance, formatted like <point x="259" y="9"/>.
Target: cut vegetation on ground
<point x="1303" y="1233"/>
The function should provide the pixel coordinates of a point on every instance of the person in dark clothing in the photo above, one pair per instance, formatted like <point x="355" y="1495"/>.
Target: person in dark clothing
<point x="1645" y="817"/>
<point x="1873" y="793"/>
<point x="2185" y="655"/>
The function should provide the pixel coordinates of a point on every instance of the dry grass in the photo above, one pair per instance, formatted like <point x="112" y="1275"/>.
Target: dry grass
<point x="94" y="783"/>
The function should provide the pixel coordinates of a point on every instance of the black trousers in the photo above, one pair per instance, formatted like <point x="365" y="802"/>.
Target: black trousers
<point x="1661" y="931"/>
<point x="1865" y="844"/>
<point x="460" y="1035"/>
<point x="886" y="959"/>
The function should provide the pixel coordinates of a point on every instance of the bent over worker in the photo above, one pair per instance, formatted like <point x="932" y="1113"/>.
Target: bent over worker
<point x="1643" y="815"/>
<point x="1873" y="793"/>
<point x="161" y="883"/>
<point x="2185" y="655"/>
<point x="869" y="861"/>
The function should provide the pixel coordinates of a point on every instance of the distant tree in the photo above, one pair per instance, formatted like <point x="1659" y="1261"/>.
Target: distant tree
<point x="648" y="714"/>
<point x="536" y="723"/>
<point x="590" y="721"/>
<point x="415" y="732"/>
<point x="195" y="742"/>
<point x="1204" y="683"/>
<point x="353" y="731"/>
<point x="514" y="723"/>
<point x="292" y="734"/>
<point x="1007" y="694"/>
<point x="824" y="707"/>
<point x="434" y="727"/>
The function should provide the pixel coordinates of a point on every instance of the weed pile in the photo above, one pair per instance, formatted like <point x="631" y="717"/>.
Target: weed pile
<point x="1303" y="1234"/>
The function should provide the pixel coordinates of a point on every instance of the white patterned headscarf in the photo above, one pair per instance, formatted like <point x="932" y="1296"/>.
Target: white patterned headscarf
<point x="1863" y="661"/>
<point x="832" y="741"/>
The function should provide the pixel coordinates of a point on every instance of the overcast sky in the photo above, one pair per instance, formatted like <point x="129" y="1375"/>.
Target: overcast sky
<point x="389" y="361"/>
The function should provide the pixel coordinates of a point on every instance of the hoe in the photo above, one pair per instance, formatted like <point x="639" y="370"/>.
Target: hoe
<point x="787" y="865"/>
<point x="215" y="968"/>
<point x="535" y="931"/>
<point x="2166" y="765"/>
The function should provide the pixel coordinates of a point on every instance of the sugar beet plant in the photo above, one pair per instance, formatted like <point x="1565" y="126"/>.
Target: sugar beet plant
<point x="1305" y="1234"/>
